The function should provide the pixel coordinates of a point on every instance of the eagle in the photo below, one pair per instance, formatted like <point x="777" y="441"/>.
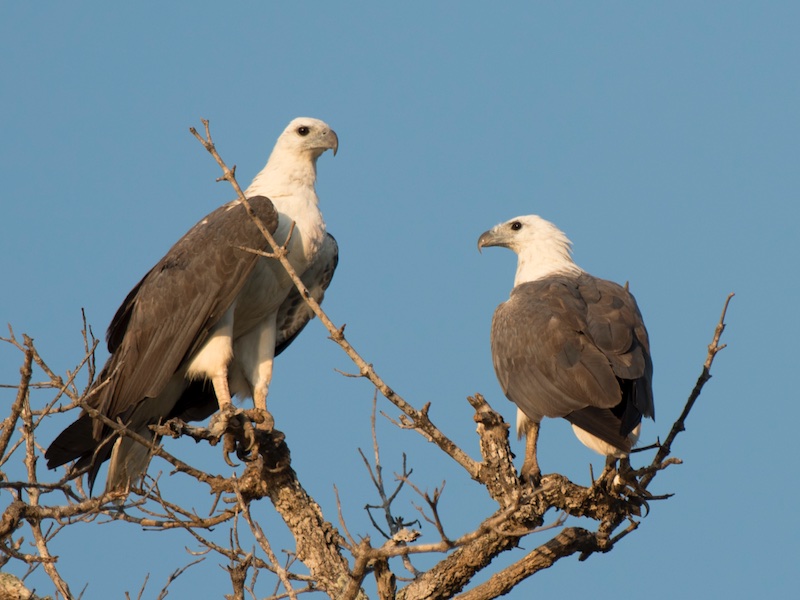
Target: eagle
<point x="567" y="344"/>
<point x="206" y="322"/>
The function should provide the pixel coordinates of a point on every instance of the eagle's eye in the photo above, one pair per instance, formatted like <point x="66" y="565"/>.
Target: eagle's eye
<point x="303" y="130"/>
<point x="516" y="226"/>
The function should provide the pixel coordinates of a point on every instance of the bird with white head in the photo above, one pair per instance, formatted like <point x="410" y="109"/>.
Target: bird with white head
<point x="210" y="312"/>
<point x="567" y="344"/>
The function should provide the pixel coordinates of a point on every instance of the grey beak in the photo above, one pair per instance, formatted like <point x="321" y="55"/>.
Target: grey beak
<point x="335" y="142"/>
<point x="487" y="239"/>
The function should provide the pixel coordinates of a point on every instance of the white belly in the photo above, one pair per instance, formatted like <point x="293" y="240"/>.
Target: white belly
<point x="604" y="448"/>
<point x="269" y="283"/>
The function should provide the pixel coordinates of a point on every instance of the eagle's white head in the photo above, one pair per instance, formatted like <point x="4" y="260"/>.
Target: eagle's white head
<point x="307" y="136"/>
<point x="293" y="162"/>
<point x="542" y="248"/>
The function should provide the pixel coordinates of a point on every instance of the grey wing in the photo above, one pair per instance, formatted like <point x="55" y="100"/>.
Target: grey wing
<point x="294" y="314"/>
<point x="615" y="325"/>
<point x="575" y="348"/>
<point x="168" y="315"/>
<point x="544" y="363"/>
<point x="164" y="320"/>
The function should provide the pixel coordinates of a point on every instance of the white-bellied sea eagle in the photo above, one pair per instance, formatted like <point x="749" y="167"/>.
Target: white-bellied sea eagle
<point x="567" y="344"/>
<point x="210" y="312"/>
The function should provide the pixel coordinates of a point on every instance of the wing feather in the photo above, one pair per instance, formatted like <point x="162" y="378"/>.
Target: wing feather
<point x="563" y="344"/>
<point x="168" y="314"/>
<point x="294" y="314"/>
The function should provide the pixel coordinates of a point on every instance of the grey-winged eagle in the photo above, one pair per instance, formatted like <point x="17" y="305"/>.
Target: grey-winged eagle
<point x="208" y="319"/>
<point x="567" y="344"/>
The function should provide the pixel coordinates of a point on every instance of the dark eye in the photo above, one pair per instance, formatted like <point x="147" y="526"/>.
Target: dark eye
<point x="516" y="226"/>
<point x="303" y="130"/>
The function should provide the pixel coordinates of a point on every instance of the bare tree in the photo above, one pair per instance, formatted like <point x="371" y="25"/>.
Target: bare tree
<point x="326" y="559"/>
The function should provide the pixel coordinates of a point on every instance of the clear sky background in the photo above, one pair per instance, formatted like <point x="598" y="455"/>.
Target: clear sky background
<point x="664" y="138"/>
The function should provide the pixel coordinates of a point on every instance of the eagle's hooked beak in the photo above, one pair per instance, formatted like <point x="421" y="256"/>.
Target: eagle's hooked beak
<point x="335" y="145"/>
<point x="488" y="238"/>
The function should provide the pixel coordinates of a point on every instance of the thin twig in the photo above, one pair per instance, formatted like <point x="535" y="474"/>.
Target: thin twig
<point x="680" y="424"/>
<point x="10" y="423"/>
<point x="420" y="418"/>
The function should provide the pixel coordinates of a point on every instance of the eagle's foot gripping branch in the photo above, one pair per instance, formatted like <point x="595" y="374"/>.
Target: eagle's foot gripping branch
<point x="235" y="427"/>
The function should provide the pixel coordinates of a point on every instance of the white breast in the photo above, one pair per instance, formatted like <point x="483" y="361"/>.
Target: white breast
<point x="269" y="284"/>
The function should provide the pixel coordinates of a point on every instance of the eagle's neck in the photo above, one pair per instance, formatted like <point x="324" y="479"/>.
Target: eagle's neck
<point x="545" y="258"/>
<point x="286" y="174"/>
<point x="288" y="180"/>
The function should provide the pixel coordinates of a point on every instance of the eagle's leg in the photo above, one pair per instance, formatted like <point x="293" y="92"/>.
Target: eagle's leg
<point x="227" y="418"/>
<point x="212" y="362"/>
<point x="267" y="423"/>
<point x="609" y="472"/>
<point x="219" y="422"/>
<point x="256" y="352"/>
<point x="530" y="467"/>
<point x="260" y="391"/>
<point x="222" y="391"/>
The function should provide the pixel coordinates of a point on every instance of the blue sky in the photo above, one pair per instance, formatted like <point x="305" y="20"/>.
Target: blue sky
<point x="663" y="138"/>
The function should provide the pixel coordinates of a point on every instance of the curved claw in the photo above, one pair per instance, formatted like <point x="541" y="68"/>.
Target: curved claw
<point x="228" y="424"/>
<point x="246" y="442"/>
<point x="229" y="445"/>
